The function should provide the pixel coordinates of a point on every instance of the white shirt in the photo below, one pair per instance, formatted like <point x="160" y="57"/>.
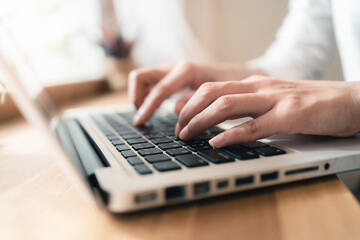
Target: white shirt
<point x="305" y="41"/>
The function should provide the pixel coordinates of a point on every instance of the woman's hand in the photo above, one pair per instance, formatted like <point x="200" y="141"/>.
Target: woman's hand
<point x="276" y="106"/>
<point x="149" y="87"/>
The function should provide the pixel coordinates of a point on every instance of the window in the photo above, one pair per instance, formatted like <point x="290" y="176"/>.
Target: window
<point x="58" y="37"/>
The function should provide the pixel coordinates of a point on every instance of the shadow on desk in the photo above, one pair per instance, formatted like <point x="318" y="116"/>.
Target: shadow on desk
<point x="352" y="181"/>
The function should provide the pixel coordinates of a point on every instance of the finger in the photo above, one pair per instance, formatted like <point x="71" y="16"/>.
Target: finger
<point x="250" y="131"/>
<point x="139" y="82"/>
<point x="177" y="78"/>
<point x="205" y="95"/>
<point x="179" y="105"/>
<point x="183" y="100"/>
<point x="226" y="107"/>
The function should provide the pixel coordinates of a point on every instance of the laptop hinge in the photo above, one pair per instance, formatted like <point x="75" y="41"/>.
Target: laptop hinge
<point x="79" y="149"/>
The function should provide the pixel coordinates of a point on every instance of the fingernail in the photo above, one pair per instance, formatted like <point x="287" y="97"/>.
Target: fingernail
<point x="184" y="134"/>
<point x="217" y="141"/>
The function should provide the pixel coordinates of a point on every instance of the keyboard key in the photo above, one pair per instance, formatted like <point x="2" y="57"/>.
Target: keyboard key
<point x="127" y="115"/>
<point x="106" y="131"/>
<point x="130" y="136"/>
<point x="136" y="140"/>
<point x="142" y="169"/>
<point x="206" y="136"/>
<point x="144" y="129"/>
<point x="181" y="142"/>
<point x="128" y="153"/>
<point x="240" y="152"/>
<point x="157" y="158"/>
<point x="147" y="127"/>
<point x="120" y="128"/>
<point x="112" y="136"/>
<point x="122" y="148"/>
<point x="175" y="138"/>
<point x="177" y="151"/>
<point x="170" y="133"/>
<point x="193" y="141"/>
<point x="149" y="151"/>
<point x="191" y="160"/>
<point x="155" y="135"/>
<point x="165" y="146"/>
<point x="168" y="129"/>
<point x="124" y="131"/>
<point x="161" y="140"/>
<point x="200" y="146"/>
<point x="216" y="156"/>
<point x="166" y="166"/>
<point x="135" y="160"/>
<point x="191" y="148"/>
<point x="256" y="144"/>
<point x="142" y="146"/>
<point x="269" y="151"/>
<point x="117" y="142"/>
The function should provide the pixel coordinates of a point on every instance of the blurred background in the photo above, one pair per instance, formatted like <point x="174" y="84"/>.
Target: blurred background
<point x="71" y="42"/>
<point x="79" y="49"/>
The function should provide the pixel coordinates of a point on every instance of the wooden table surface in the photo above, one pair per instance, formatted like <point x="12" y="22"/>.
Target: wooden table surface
<point x="37" y="202"/>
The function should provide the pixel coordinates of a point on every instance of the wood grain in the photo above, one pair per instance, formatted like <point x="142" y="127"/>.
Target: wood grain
<point x="37" y="202"/>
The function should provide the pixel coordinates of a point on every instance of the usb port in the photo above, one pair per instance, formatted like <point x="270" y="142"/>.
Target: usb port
<point x="244" y="180"/>
<point x="269" y="176"/>
<point x="175" y="193"/>
<point x="222" y="184"/>
<point x="144" y="198"/>
<point x="201" y="188"/>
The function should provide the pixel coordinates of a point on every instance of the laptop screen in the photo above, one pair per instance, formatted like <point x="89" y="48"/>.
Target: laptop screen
<point x="19" y="70"/>
<point x="37" y="107"/>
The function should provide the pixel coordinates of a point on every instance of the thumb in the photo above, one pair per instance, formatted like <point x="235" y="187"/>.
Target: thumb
<point x="250" y="131"/>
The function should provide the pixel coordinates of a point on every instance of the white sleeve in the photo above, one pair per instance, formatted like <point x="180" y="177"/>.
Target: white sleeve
<point x="303" y="44"/>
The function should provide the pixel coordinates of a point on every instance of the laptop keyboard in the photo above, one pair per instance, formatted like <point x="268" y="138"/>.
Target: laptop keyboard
<point x="154" y="146"/>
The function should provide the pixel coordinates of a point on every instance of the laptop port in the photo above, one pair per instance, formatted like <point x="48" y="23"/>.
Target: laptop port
<point x="301" y="170"/>
<point x="240" y="181"/>
<point x="269" y="176"/>
<point x="327" y="166"/>
<point x="222" y="184"/>
<point x="146" y="197"/>
<point x="201" y="188"/>
<point x="175" y="193"/>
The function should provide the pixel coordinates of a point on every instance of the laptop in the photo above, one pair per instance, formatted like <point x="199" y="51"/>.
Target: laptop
<point x="123" y="168"/>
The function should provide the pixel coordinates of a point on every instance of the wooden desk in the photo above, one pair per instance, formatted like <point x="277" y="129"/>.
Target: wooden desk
<point x="37" y="202"/>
